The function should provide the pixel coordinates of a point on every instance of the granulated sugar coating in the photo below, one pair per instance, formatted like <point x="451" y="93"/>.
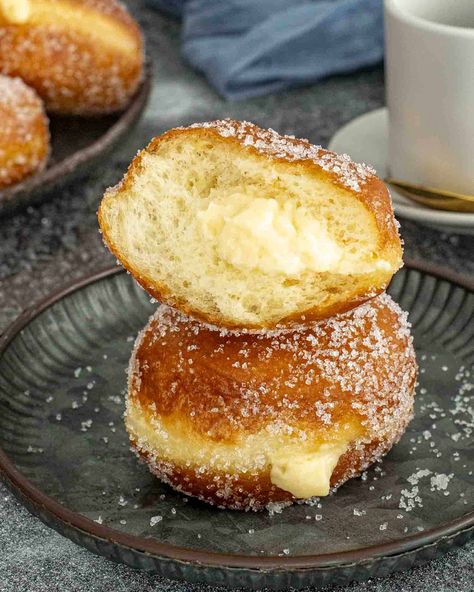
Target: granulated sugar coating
<point x="270" y="142"/>
<point x="24" y="138"/>
<point x="234" y="400"/>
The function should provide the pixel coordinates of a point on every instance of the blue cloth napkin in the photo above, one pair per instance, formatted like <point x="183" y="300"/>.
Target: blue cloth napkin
<point x="248" y="48"/>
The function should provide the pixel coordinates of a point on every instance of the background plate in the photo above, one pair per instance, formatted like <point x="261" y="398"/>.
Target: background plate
<point x="77" y="144"/>
<point x="365" y="139"/>
<point x="64" y="452"/>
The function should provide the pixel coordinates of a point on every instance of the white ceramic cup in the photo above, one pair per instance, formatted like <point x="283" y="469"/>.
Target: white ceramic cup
<point x="429" y="69"/>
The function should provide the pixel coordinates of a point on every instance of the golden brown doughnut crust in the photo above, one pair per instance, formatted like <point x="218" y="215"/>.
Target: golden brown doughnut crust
<point x="254" y="491"/>
<point x="64" y="54"/>
<point x="24" y="133"/>
<point x="292" y="153"/>
<point x="221" y="387"/>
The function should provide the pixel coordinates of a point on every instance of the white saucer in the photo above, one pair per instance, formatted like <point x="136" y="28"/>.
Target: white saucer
<point x="365" y="139"/>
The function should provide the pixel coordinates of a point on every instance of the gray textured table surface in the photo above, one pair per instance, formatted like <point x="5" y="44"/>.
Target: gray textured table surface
<point x="48" y="245"/>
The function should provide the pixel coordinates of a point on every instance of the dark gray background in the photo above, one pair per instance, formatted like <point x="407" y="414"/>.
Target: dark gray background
<point x="45" y="246"/>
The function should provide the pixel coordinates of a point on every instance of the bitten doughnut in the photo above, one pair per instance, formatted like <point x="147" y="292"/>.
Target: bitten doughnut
<point x="245" y="420"/>
<point x="83" y="57"/>
<point x="241" y="227"/>
<point x="24" y="132"/>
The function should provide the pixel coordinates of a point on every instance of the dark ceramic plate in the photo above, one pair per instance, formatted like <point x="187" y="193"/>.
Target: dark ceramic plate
<point x="64" y="452"/>
<point x="77" y="144"/>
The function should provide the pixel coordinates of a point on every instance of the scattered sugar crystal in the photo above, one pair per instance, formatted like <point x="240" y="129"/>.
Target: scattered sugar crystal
<point x="440" y="481"/>
<point x="155" y="519"/>
<point x="33" y="449"/>
<point x="99" y="520"/>
<point x="414" y="479"/>
<point x="77" y="372"/>
<point x="409" y="499"/>
<point x="276" y="507"/>
<point x="122" y="501"/>
<point x="85" y="425"/>
<point x="383" y="526"/>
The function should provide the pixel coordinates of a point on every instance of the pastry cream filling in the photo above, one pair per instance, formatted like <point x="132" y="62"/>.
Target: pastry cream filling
<point x="15" y="11"/>
<point x="265" y="235"/>
<point x="307" y="474"/>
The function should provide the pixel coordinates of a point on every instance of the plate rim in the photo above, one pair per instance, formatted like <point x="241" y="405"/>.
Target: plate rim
<point x="23" y="193"/>
<point x="23" y="488"/>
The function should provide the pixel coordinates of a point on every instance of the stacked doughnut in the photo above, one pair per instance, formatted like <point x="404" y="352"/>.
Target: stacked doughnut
<point x="75" y="57"/>
<point x="276" y="367"/>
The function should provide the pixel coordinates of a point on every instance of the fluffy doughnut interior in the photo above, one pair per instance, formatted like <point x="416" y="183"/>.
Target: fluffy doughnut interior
<point x="242" y="237"/>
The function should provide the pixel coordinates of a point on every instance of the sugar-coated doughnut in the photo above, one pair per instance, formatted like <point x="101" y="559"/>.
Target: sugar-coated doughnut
<point x="241" y="227"/>
<point x="248" y="420"/>
<point x="82" y="57"/>
<point x="24" y="132"/>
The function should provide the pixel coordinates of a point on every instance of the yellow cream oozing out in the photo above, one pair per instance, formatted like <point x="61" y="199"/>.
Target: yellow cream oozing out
<point x="15" y="11"/>
<point x="307" y="474"/>
<point x="266" y="235"/>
